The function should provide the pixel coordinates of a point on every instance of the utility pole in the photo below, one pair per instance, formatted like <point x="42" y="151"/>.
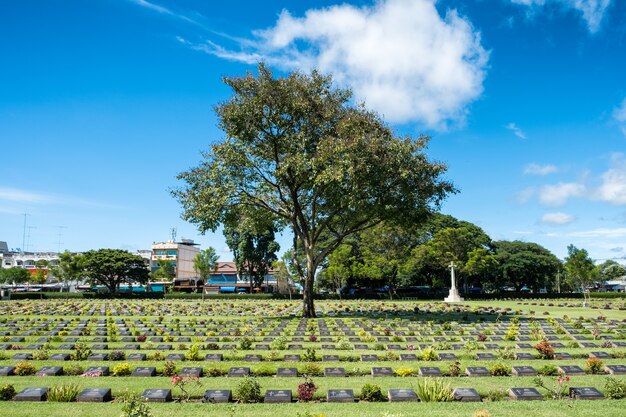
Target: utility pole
<point x="60" y="234"/>
<point x="24" y="234"/>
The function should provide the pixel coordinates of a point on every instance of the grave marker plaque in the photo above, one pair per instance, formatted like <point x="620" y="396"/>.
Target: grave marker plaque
<point x="277" y="396"/>
<point x="382" y="372"/>
<point x="525" y="394"/>
<point x="287" y="372"/>
<point x="95" y="395"/>
<point x="330" y="358"/>
<point x="292" y="358"/>
<point x="369" y="358"/>
<point x="153" y="395"/>
<point x="571" y="370"/>
<point x="238" y="372"/>
<point x="214" y="357"/>
<point x="340" y="396"/>
<point x="191" y="372"/>
<point x="50" y="371"/>
<point x="102" y="370"/>
<point x="334" y="372"/>
<point x="60" y="357"/>
<point x="477" y="371"/>
<point x="408" y="357"/>
<point x="466" y="395"/>
<point x="402" y="395"/>
<point x="144" y="371"/>
<point x="32" y="394"/>
<point x="429" y="371"/>
<point x="523" y="371"/>
<point x="615" y="369"/>
<point x="7" y="370"/>
<point x="585" y="393"/>
<point x="524" y="356"/>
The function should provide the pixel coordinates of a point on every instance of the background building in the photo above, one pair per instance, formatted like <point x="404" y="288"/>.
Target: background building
<point x="180" y="253"/>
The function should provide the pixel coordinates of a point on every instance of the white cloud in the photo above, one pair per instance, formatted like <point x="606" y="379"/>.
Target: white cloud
<point x="620" y="112"/>
<point x="592" y="10"/>
<point x="516" y="130"/>
<point x="164" y="10"/>
<point x="537" y="169"/>
<point x="17" y="195"/>
<point x="399" y="56"/>
<point x="558" y="194"/>
<point x="557" y="218"/>
<point x="603" y="233"/>
<point x="613" y="186"/>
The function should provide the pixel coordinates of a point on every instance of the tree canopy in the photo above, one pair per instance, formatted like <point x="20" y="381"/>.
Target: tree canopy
<point x="297" y="150"/>
<point x="112" y="267"/>
<point x="14" y="275"/>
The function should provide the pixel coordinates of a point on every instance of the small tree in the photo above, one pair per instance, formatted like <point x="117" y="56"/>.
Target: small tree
<point x="68" y="269"/>
<point x="580" y="269"/>
<point x="205" y="262"/>
<point x="166" y="270"/>
<point x="14" y="275"/>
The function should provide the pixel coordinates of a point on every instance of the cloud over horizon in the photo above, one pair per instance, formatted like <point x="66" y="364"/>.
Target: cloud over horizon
<point x="399" y="56"/>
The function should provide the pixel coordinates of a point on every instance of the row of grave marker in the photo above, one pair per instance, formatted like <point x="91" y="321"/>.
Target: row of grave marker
<point x="471" y="371"/>
<point x="286" y="396"/>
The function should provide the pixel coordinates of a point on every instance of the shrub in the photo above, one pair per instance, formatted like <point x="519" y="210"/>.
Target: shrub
<point x="279" y="344"/>
<point x="248" y="390"/>
<point x="496" y="395"/>
<point x="24" y="369"/>
<point x="41" y="354"/>
<point x="481" y="413"/>
<point x="187" y="386"/>
<point x="157" y="356"/>
<point x="81" y="352"/>
<point x="306" y="390"/>
<point x="7" y="392"/>
<point x="193" y="354"/>
<point x="73" y="370"/>
<point x="310" y="355"/>
<point x="264" y="371"/>
<point x="557" y="388"/>
<point x="500" y="369"/>
<point x="547" y="370"/>
<point x="545" y="349"/>
<point x="215" y="372"/>
<point x="595" y="365"/>
<point x="405" y="371"/>
<point x="454" y="369"/>
<point x="121" y="369"/>
<point x="614" y="388"/>
<point x="169" y="368"/>
<point x="343" y="344"/>
<point x="371" y="393"/>
<point x="429" y="354"/>
<point x="433" y="390"/>
<point x="312" y="369"/>
<point x="64" y="393"/>
<point x="117" y="355"/>
<point x="133" y="405"/>
<point x="245" y="343"/>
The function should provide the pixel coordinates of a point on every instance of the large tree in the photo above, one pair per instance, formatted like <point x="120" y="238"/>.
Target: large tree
<point x="299" y="151"/>
<point x="526" y="264"/>
<point x="112" y="267"/>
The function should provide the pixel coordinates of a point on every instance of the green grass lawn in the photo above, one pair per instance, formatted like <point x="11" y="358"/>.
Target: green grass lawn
<point x="240" y="313"/>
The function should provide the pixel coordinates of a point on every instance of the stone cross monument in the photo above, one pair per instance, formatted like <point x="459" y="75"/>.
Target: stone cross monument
<point x="454" y="296"/>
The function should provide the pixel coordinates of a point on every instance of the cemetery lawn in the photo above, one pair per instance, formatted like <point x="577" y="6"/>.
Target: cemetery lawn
<point x="381" y="326"/>
<point x="604" y="408"/>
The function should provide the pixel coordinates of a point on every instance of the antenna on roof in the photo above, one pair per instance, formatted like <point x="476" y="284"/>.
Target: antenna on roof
<point x="173" y="234"/>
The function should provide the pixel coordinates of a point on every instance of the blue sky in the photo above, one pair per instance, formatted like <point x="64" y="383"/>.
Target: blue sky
<point x="103" y="102"/>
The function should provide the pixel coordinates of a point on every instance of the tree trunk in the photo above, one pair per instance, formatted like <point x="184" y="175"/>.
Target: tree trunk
<point x="308" y="309"/>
